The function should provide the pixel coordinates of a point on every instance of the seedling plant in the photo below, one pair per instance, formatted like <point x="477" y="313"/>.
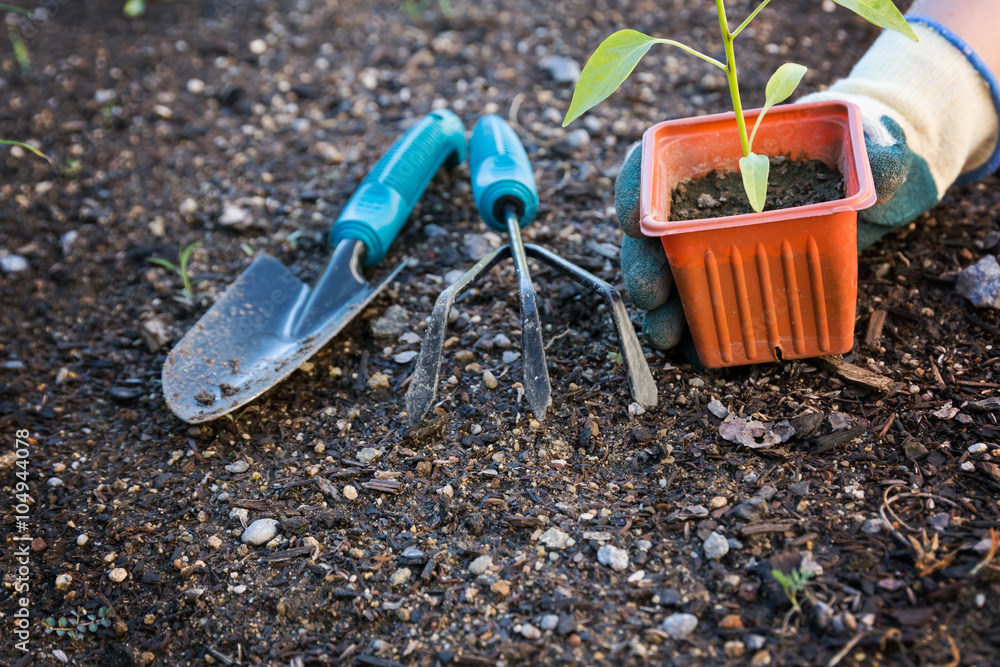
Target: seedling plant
<point x="792" y="584"/>
<point x="181" y="268"/>
<point x="79" y="624"/>
<point x="618" y="55"/>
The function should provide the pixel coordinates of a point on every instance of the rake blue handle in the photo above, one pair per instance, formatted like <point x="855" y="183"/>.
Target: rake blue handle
<point x="501" y="174"/>
<point x="383" y="201"/>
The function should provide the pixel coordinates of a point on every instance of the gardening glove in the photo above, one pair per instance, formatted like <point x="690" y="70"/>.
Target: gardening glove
<point x="929" y="111"/>
<point x="648" y="280"/>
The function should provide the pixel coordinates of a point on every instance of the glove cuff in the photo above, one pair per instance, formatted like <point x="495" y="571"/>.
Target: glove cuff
<point x="975" y="172"/>
<point x="940" y="93"/>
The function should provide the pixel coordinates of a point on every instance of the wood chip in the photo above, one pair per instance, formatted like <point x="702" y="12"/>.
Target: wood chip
<point x="861" y="376"/>
<point x="384" y="485"/>
<point x="875" y="324"/>
<point x="827" y="442"/>
<point x="767" y="527"/>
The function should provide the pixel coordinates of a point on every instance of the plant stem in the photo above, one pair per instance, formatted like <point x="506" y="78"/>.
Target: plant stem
<point x="693" y="52"/>
<point x="750" y="18"/>
<point x="734" y="88"/>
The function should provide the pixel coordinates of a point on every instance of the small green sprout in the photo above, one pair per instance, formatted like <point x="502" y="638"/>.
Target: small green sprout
<point x="10" y="142"/>
<point x="792" y="584"/>
<point x="618" y="55"/>
<point x="184" y="256"/>
<point x="79" y="624"/>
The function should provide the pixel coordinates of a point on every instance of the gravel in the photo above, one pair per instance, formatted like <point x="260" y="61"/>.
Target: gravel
<point x="716" y="546"/>
<point x="260" y="532"/>
<point x="679" y="626"/>
<point x="615" y="558"/>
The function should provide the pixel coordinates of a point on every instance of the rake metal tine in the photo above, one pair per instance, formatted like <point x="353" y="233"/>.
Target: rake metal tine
<point x="641" y="382"/>
<point x="422" y="391"/>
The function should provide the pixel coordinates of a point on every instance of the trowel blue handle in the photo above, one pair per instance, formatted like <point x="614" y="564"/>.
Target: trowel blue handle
<point x="380" y="206"/>
<point x="501" y="174"/>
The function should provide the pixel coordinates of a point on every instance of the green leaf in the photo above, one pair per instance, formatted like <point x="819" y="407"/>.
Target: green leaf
<point x="62" y="622"/>
<point x="9" y="142"/>
<point x="60" y="633"/>
<point x="167" y="264"/>
<point x="134" y="8"/>
<point x="102" y="612"/>
<point x="754" y="169"/>
<point x="607" y="68"/>
<point x="92" y="627"/>
<point x="882" y="13"/>
<point x="106" y="622"/>
<point x="780" y="87"/>
<point x="16" y="10"/>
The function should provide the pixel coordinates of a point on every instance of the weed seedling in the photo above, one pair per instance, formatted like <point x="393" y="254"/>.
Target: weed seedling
<point x="181" y="269"/>
<point x="618" y="55"/>
<point x="79" y="624"/>
<point x="9" y="142"/>
<point x="792" y="584"/>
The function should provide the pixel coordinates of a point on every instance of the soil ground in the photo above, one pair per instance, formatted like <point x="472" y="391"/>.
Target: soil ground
<point x="477" y="538"/>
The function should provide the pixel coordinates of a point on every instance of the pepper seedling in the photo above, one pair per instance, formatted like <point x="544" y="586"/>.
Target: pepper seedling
<point x="618" y="55"/>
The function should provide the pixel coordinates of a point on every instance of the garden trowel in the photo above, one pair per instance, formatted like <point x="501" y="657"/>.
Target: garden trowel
<point x="269" y="322"/>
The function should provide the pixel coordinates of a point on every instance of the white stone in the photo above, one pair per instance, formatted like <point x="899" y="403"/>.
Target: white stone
<point x="13" y="263"/>
<point x="63" y="582"/>
<point x="195" y="86"/>
<point x="405" y="357"/>
<point x="716" y="546"/>
<point x="260" y="531"/>
<point x="238" y="467"/>
<point x="554" y="538"/>
<point x="258" y="46"/>
<point x="528" y="631"/>
<point x="368" y="454"/>
<point x="489" y="380"/>
<point x="350" y="492"/>
<point x="82" y="539"/>
<point x="480" y="565"/>
<point x="978" y="448"/>
<point x="400" y="576"/>
<point x="679" y="626"/>
<point x="118" y="575"/>
<point x="613" y="557"/>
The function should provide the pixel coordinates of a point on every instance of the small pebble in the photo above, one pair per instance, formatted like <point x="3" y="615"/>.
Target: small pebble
<point x="481" y="565"/>
<point x="400" y="576"/>
<point x="214" y="542"/>
<point x="968" y="466"/>
<point x="378" y="381"/>
<point x="718" y="502"/>
<point x="978" y="448"/>
<point x="240" y="589"/>
<point x="350" y="492"/>
<point x="489" y="380"/>
<point x="679" y="626"/>
<point x="405" y="357"/>
<point x="510" y="356"/>
<point x="549" y="622"/>
<point x="715" y="546"/>
<point x="446" y="491"/>
<point x="118" y="575"/>
<point x="13" y="263"/>
<point x="613" y="557"/>
<point x="717" y="408"/>
<point x="554" y="538"/>
<point x="368" y="454"/>
<point x="81" y="539"/>
<point x="528" y="631"/>
<point x="63" y="582"/>
<point x="501" y="341"/>
<point x="238" y="467"/>
<point x="260" y="531"/>
<point x="258" y="46"/>
<point x="578" y="138"/>
<point x="195" y="86"/>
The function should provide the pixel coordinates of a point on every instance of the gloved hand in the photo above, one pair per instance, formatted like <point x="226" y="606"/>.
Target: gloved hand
<point x="930" y="113"/>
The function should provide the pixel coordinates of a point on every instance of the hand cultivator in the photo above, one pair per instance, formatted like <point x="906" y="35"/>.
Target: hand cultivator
<point x="503" y="186"/>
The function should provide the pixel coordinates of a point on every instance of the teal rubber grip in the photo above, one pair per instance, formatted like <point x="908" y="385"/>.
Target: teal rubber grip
<point x="382" y="203"/>
<point x="501" y="174"/>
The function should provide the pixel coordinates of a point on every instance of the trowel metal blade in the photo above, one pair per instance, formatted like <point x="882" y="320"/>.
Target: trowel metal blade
<point x="261" y="329"/>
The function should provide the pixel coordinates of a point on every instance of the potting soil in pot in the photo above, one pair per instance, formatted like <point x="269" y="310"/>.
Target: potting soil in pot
<point x="791" y="183"/>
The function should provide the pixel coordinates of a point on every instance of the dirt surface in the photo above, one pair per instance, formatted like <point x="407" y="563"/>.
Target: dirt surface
<point x="481" y="537"/>
<point x="791" y="183"/>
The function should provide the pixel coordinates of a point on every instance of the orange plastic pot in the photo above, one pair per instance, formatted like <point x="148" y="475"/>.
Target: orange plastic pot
<point x="762" y="286"/>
